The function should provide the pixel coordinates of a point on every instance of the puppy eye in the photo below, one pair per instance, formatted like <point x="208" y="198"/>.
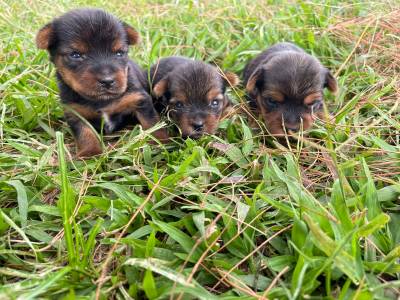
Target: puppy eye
<point x="214" y="103"/>
<point x="315" y="103"/>
<point x="178" y="104"/>
<point x="271" y="102"/>
<point x="120" y="53"/>
<point x="75" y="55"/>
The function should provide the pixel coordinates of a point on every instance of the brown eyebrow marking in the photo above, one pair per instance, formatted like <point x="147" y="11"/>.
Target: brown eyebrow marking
<point x="214" y="93"/>
<point x="179" y="96"/>
<point x="276" y="95"/>
<point x="117" y="45"/>
<point x="80" y="46"/>
<point x="310" y="98"/>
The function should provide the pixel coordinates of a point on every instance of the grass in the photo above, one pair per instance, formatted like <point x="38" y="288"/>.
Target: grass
<point x="232" y="216"/>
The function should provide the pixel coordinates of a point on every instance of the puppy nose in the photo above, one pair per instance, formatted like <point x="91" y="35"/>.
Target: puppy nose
<point x="198" y="125"/>
<point x="107" y="82"/>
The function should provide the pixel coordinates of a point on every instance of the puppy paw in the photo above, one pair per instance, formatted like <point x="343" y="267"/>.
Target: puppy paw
<point x="89" y="152"/>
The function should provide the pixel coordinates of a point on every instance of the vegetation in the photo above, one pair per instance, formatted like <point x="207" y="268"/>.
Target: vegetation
<point x="231" y="216"/>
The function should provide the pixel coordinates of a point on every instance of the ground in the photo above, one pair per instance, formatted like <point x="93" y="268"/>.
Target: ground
<point x="231" y="216"/>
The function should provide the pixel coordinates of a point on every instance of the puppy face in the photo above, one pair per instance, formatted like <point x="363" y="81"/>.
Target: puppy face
<point x="194" y="94"/>
<point x="288" y="90"/>
<point x="89" y="48"/>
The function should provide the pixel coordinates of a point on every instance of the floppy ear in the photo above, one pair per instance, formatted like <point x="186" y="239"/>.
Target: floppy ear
<point x="255" y="81"/>
<point x="161" y="87"/>
<point x="230" y="79"/>
<point x="132" y="35"/>
<point x="330" y="82"/>
<point x="45" y="37"/>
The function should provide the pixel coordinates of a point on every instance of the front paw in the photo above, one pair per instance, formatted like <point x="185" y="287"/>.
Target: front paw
<point x="88" y="152"/>
<point x="88" y="146"/>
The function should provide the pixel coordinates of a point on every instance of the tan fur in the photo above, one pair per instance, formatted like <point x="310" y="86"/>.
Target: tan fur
<point x="160" y="88"/>
<point x="80" y="46"/>
<point x="331" y="83"/>
<point x="128" y="102"/>
<point x="133" y="35"/>
<point x="88" y="144"/>
<point x="214" y="94"/>
<point x="43" y="37"/>
<point x="309" y="99"/>
<point x="275" y="95"/>
<point x="231" y="78"/>
<point x="84" y="111"/>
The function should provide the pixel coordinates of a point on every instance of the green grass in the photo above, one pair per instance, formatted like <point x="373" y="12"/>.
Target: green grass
<point x="232" y="216"/>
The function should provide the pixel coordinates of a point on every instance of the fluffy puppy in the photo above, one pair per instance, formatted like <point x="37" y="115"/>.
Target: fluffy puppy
<point x="97" y="81"/>
<point x="286" y="86"/>
<point x="192" y="93"/>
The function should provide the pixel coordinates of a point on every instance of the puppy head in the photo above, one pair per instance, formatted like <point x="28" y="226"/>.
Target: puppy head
<point x="194" y="94"/>
<point x="89" y="48"/>
<point x="289" y="91"/>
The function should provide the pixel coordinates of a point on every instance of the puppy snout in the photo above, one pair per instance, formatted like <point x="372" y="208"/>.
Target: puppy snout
<point x="198" y="125"/>
<point x="107" y="82"/>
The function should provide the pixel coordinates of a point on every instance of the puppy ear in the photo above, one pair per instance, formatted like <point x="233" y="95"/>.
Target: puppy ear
<point x="330" y="82"/>
<point x="256" y="80"/>
<point x="132" y="35"/>
<point x="161" y="87"/>
<point x="230" y="79"/>
<point x="45" y="36"/>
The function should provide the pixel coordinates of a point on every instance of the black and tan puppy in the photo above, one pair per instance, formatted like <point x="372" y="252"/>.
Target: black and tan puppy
<point x="192" y="93"/>
<point x="286" y="85"/>
<point x="96" y="79"/>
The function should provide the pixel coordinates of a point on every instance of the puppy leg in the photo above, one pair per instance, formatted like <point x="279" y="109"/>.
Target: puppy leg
<point x="87" y="142"/>
<point x="141" y="105"/>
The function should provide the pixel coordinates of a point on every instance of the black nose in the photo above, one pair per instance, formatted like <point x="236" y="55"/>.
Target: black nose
<point x="107" y="82"/>
<point x="198" y="125"/>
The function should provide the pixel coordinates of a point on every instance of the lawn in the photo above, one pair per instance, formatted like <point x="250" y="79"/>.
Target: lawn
<point x="231" y="216"/>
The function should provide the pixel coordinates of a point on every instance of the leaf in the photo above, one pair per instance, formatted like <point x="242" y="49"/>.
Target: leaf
<point x="369" y="193"/>
<point x="22" y="200"/>
<point x="151" y="242"/>
<point x="339" y="204"/>
<point x="19" y="230"/>
<point x="45" y="284"/>
<point x="172" y="179"/>
<point x="248" y="143"/>
<point x="198" y="220"/>
<point x="66" y="201"/>
<point x="183" y="239"/>
<point x="372" y="226"/>
<point x="299" y="232"/>
<point x="242" y="211"/>
<point x="149" y="285"/>
<point x="90" y="243"/>
<point x="343" y="260"/>
<point x="158" y="266"/>
<point x="389" y="193"/>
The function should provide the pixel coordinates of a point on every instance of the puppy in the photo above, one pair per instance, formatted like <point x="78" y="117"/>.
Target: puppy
<point x="97" y="81"/>
<point x="286" y="85"/>
<point x="192" y="93"/>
